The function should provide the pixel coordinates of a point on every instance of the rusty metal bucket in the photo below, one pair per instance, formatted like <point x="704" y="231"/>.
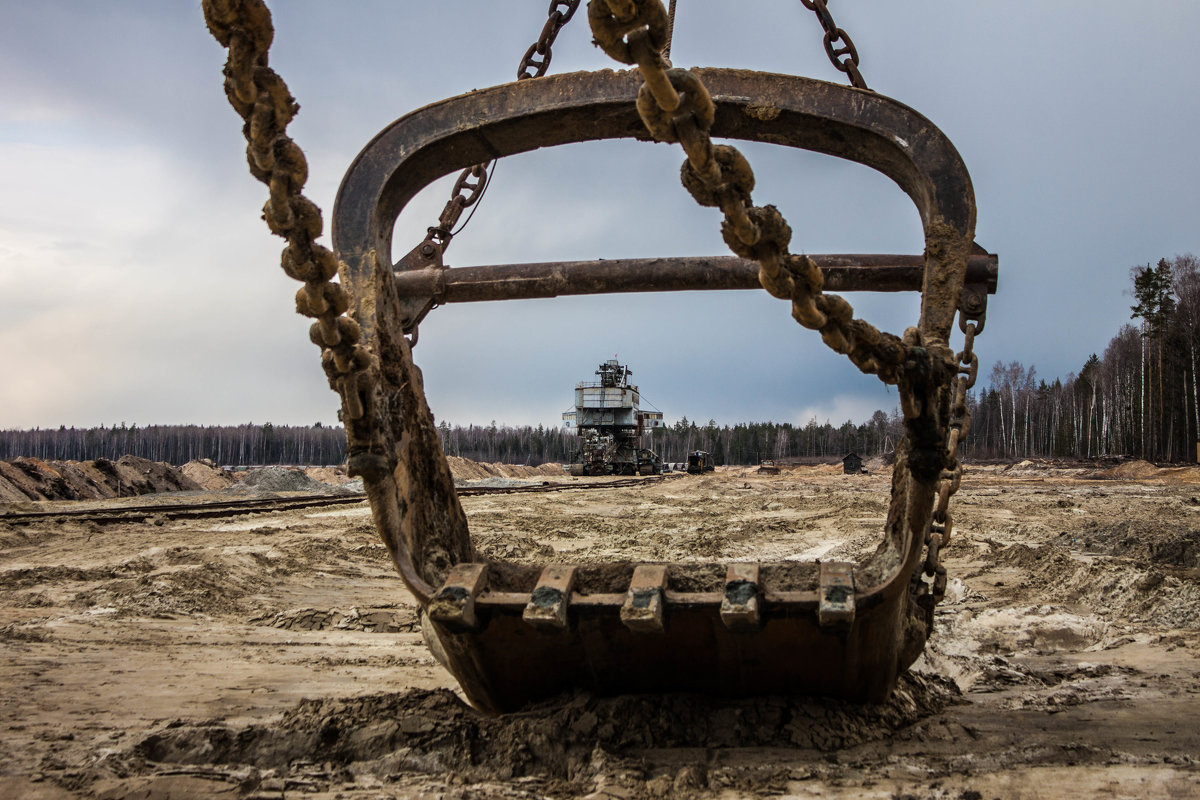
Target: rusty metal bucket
<point x="513" y="634"/>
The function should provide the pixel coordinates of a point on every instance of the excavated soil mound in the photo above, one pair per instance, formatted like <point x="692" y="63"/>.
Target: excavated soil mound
<point x="31" y="479"/>
<point x="1146" y="587"/>
<point x="464" y="469"/>
<point x="435" y="732"/>
<point x="334" y="476"/>
<point x="34" y="479"/>
<point x="208" y="475"/>
<point x="1146" y="542"/>
<point x="1135" y="470"/>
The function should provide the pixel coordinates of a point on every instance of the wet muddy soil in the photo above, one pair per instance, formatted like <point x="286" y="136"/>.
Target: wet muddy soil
<point x="279" y="655"/>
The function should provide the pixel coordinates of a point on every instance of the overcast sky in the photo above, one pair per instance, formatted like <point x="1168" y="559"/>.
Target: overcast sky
<point x="138" y="284"/>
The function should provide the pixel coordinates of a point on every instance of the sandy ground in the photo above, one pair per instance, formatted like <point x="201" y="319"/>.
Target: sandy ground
<point x="278" y="655"/>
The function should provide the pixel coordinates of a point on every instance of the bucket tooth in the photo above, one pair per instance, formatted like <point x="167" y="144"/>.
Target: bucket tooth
<point x="739" y="606"/>
<point x="454" y="604"/>
<point x="547" y="607"/>
<point x="836" y="595"/>
<point x="643" y="610"/>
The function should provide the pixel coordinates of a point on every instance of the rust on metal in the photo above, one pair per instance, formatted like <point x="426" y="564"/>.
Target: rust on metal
<point x="739" y="605"/>
<point x="423" y="281"/>
<point x="815" y="115"/>
<point x="643" y="609"/>
<point x="547" y="606"/>
<point x="454" y="604"/>
<point x="836" y="603"/>
<point x="836" y="629"/>
<point x="642" y="635"/>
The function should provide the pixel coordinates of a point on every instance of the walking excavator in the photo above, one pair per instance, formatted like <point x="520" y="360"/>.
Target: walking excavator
<point x="610" y="426"/>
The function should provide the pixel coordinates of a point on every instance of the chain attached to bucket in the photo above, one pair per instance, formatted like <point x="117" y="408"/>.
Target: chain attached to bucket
<point x="262" y="99"/>
<point x="465" y="193"/>
<point x="930" y="578"/>
<point x="676" y="107"/>
<point x="844" y="58"/>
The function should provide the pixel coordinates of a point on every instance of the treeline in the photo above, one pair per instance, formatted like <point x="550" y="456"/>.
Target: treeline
<point x="743" y="443"/>
<point x="248" y="444"/>
<point x="258" y="445"/>
<point x="1140" y="398"/>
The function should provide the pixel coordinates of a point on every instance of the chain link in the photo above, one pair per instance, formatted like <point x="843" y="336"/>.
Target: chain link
<point x="554" y="22"/>
<point x="845" y="57"/>
<point x="261" y="98"/>
<point x="463" y="195"/>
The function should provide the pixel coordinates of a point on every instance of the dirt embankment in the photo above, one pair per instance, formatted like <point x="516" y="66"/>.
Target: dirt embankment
<point x="464" y="469"/>
<point x="32" y="479"/>
<point x="26" y="479"/>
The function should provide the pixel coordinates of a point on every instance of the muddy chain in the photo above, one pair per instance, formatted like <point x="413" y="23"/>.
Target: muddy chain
<point x="930" y="578"/>
<point x="261" y="98"/>
<point x="833" y="35"/>
<point x="676" y="107"/>
<point x="465" y="193"/>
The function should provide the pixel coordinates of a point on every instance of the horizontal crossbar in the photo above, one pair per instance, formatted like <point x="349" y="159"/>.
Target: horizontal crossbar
<point x="843" y="273"/>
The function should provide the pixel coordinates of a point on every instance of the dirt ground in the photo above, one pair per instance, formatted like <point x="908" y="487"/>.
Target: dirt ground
<point x="277" y="655"/>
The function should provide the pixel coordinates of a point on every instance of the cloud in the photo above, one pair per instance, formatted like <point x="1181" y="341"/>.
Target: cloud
<point x="841" y="408"/>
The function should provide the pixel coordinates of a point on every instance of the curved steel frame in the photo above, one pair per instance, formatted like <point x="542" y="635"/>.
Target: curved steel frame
<point x="507" y="647"/>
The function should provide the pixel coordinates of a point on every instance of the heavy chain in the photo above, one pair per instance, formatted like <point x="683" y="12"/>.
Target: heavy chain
<point x="463" y="195"/>
<point x="676" y="107"/>
<point x="465" y="192"/>
<point x="930" y="577"/>
<point x="844" y="57"/>
<point x="261" y="98"/>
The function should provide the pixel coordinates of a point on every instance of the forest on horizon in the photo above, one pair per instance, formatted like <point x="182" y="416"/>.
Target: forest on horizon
<point x="1140" y="398"/>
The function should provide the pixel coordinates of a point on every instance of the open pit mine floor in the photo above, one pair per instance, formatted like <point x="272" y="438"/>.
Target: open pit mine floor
<point x="277" y="654"/>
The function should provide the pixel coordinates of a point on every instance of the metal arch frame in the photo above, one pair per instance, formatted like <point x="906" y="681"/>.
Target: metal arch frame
<point x="793" y="111"/>
<point x="395" y="446"/>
